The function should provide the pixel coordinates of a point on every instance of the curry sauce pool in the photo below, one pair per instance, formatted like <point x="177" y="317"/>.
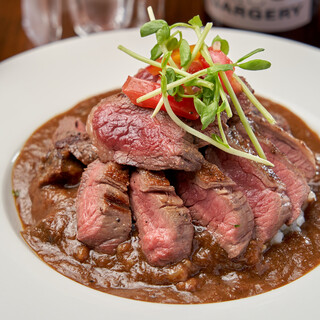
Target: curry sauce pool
<point x="48" y="217"/>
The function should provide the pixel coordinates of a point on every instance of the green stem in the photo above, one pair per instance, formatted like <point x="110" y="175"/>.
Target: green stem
<point x="199" y="82"/>
<point x="223" y="136"/>
<point x="139" y="57"/>
<point x="157" y="108"/>
<point x="216" y="95"/>
<point x="208" y="139"/>
<point x="171" y="62"/>
<point x="162" y="46"/>
<point x="255" y="101"/>
<point x="199" y="44"/>
<point x="204" y="50"/>
<point x="181" y="24"/>
<point x="173" y="85"/>
<point x="225" y="99"/>
<point x="151" y="13"/>
<point x="206" y="55"/>
<point x="175" y="33"/>
<point x="184" y="95"/>
<point x="242" y="116"/>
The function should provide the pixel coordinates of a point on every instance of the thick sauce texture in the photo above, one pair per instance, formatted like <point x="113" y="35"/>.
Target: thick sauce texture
<point x="49" y="227"/>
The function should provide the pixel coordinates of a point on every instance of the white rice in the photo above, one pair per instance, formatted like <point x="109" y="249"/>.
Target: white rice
<point x="295" y="226"/>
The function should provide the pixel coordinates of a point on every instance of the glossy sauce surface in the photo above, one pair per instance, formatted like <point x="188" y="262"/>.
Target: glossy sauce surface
<point x="49" y="227"/>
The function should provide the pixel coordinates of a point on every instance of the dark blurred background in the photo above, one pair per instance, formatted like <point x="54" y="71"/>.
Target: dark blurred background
<point x="13" y="39"/>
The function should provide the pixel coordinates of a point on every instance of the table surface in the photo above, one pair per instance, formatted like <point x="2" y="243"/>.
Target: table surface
<point x="13" y="39"/>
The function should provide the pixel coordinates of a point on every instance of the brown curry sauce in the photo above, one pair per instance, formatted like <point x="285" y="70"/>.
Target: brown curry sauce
<point x="49" y="227"/>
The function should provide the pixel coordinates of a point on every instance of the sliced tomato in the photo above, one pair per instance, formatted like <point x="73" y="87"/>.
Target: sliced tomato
<point x="135" y="88"/>
<point x="219" y="57"/>
<point x="154" y="70"/>
<point x="195" y="66"/>
<point x="200" y="63"/>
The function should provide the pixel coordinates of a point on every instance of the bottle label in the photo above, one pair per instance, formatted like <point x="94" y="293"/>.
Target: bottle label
<point x="261" y="15"/>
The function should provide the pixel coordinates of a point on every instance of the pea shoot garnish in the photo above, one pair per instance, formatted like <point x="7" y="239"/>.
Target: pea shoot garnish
<point x="202" y="74"/>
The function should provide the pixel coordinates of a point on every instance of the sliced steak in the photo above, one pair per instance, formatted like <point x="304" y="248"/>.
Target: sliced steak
<point x="59" y="167"/>
<point x="296" y="150"/>
<point x="245" y="103"/>
<point x="281" y="122"/>
<point x="265" y="192"/>
<point x="67" y="126"/>
<point x="164" y="224"/>
<point x="127" y="134"/>
<point x="279" y="134"/>
<point x="71" y="150"/>
<point x="103" y="214"/>
<point x="297" y="187"/>
<point x="213" y="203"/>
<point x="71" y="135"/>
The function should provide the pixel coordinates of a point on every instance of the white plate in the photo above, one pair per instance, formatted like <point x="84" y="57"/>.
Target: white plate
<point x="39" y="84"/>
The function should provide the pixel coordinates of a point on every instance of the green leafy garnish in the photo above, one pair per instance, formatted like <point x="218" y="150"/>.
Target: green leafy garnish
<point x="152" y="27"/>
<point x="156" y="52"/>
<point x="209" y="115"/>
<point x="173" y="44"/>
<point x="207" y="86"/>
<point x="256" y="64"/>
<point x="163" y="34"/>
<point x="195" y="21"/>
<point x="165" y="59"/>
<point x="223" y="44"/>
<point x="248" y="55"/>
<point x="218" y="139"/>
<point x="219" y="67"/>
<point x="171" y="77"/>
<point x="223" y="146"/>
<point x="185" y="53"/>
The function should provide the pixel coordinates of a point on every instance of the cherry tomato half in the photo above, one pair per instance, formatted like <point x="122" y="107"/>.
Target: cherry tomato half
<point x="135" y="88"/>
<point x="219" y="57"/>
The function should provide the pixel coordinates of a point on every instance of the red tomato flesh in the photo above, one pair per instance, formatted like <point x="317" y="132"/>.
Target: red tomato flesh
<point x="135" y="88"/>
<point x="219" y="57"/>
<point x="195" y="66"/>
<point x="200" y="63"/>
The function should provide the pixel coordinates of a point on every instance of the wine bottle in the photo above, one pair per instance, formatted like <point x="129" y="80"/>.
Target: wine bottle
<point x="295" y="19"/>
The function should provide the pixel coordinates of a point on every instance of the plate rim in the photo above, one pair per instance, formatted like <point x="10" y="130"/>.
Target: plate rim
<point x="268" y="299"/>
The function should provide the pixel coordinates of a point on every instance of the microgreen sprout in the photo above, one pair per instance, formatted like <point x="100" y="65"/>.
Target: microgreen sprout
<point x="16" y="193"/>
<point x="206" y="86"/>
